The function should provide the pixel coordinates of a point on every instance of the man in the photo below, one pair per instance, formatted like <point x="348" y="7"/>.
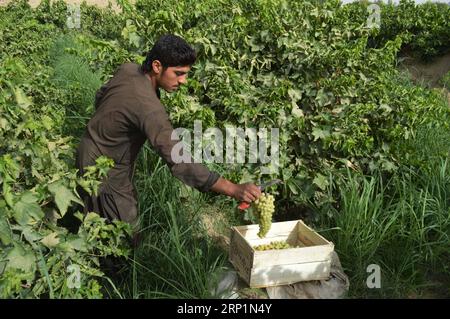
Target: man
<point x="129" y="112"/>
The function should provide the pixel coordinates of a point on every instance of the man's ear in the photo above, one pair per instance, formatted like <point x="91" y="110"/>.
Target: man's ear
<point x="157" y="66"/>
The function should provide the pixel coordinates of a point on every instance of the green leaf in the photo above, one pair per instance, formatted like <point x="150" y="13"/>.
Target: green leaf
<point x="47" y="122"/>
<point x="130" y="33"/>
<point x="19" y="258"/>
<point x="389" y="166"/>
<point x="323" y="98"/>
<point x="292" y="187"/>
<point x="135" y="39"/>
<point x="22" y="100"/>
<point x="320" y="134"/>
<point x="295" y="96"/>
<point x="249" y="215"/>
<point x="321" y="181"/>
<point x="297" y="112"/>
<point x="27" y="210"/>
<point x="63" y="196"/>
<point x="185" y="191"/>
<point x="51" y="240"/>
<point x="247" y="177"/>
<point x="385" y="108"/>
<point x="9" y="197"/>
<point x="77" y="243"/>
<point x="213" y="49"/>
<point x="5" y="232"/>
<point x="30" y="234"/>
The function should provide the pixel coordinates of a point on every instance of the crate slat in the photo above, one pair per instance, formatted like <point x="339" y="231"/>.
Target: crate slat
<point x="268" y="258"/>
<point x="289" y="274"/>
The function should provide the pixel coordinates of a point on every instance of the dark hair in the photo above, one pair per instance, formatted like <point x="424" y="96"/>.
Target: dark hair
<point x="170" y="50"/>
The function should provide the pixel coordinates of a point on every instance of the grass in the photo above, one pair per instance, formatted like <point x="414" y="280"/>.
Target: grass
<point x="445" y="81"/>
<point x="401" y="224"/>
<point x="175" y="259"/>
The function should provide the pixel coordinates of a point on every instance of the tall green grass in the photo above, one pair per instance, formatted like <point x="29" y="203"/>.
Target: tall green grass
<point x="175" y="258"/>
<point x="401" y="224"/>
<point x="445" y="81"/>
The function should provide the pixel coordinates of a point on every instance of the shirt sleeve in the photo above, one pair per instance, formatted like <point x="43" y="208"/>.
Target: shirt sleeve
<point x="158" y="129"/>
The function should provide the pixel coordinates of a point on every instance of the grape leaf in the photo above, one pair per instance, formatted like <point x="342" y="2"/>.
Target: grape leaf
<point x="321" y="181"/>
<point x="27" y="210"/>
<point x="19" y="258"/>
<point x="63" y="196"/>
<point x="51" y="240"/>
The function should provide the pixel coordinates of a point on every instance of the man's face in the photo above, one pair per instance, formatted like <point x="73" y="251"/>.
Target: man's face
<point x="172" y="77"/>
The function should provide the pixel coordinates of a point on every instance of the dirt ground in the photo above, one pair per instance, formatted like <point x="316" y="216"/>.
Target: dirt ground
<point x="429" y="73"/>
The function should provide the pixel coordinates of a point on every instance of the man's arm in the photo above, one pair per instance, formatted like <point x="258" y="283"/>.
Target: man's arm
<point x="247" y="192"/>
<point x="158" y="129"/>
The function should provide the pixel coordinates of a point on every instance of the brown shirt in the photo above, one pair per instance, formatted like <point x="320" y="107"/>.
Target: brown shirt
<point x="129" y="112"/>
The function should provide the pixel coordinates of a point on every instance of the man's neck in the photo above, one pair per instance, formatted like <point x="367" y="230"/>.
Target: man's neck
<point x="154" y="84"/>
<point x="152" y="81"/>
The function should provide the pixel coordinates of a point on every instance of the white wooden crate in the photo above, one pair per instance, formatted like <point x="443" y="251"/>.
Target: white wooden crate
<point x="311" y="261"/>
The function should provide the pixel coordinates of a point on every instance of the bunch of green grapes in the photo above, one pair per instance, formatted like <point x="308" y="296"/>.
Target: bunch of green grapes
<point x="274" y="245"/>
<point x="264" y="210"/>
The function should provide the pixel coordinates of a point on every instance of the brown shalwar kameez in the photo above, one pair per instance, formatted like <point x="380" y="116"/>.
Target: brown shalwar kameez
<point x="128" y="112"/>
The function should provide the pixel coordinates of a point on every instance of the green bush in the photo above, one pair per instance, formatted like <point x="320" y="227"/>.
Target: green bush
<point x="303" y="67"/>
<point x="38" y="188"/>
<point x="426" y="26"/>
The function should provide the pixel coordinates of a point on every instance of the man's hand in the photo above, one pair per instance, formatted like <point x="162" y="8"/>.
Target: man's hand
<point x="247" y="192"/>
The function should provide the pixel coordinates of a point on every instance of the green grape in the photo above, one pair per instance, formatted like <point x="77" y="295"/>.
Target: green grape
<point x="264" y="209"/>
<point x="274" y="245"/>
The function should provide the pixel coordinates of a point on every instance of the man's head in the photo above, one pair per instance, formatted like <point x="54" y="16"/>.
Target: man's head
<point x="169" y="61"/>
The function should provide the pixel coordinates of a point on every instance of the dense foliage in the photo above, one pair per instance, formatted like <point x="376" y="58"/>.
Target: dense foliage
<point x="313" y="69"/>
<point x="310" y="69"/>
<point x="37" y="250"/>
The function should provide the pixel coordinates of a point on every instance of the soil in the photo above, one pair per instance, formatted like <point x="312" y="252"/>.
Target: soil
<point x="427" y="73"/>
